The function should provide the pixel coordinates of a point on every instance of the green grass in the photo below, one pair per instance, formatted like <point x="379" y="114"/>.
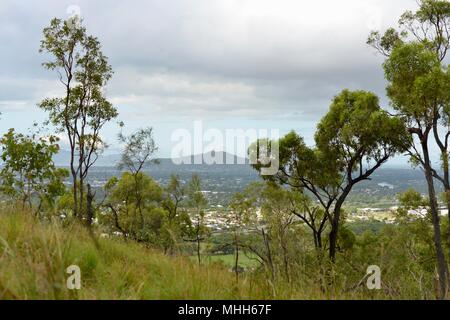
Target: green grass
<point x="245" y="261"/>
<point x="34" y="257"/>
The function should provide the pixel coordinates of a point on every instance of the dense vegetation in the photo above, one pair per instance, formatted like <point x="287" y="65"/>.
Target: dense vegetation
<point x="146" y="240"/>
<point x="35" y="255"/>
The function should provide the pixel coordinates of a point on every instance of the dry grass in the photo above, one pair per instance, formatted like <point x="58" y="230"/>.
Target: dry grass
<point x="34" y="257"/>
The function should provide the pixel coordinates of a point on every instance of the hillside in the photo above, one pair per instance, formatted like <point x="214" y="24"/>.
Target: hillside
<point x="34" y="257"/>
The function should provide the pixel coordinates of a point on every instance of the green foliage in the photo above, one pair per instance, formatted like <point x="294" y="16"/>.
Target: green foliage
<point x="83" y="110"/>
<point x="138" y="208"/>
<point x="347" y="238"/>
<point x="28" y="172"/>
<point x="418" y="83"/>
<point x="139" y="148"/>
<point x="357" y="130"/>
<point x="411" y="199"/>
<point x="196" y="200"/>
<point x="134" y="203"/>
<point x="386" y="42"/>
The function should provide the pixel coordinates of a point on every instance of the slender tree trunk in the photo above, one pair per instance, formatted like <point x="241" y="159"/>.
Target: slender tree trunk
<point x="316" y="239"/>
<point x="319" y="240"/>
<point x="75" y="197"/>
<point x="236" y="252"/>
<point x="138" y="198"/>
<point x="333" y="240"/>
<point x="198" y="243"/>
<point x="90" y="208"/>
<point x="333" y="237"/>
<point x="441" y="262"/>
<point x="285" y="261"/>
<point x="198" y="250"/>
<point x="81" y="199"/>
<point x="269" y="254"/>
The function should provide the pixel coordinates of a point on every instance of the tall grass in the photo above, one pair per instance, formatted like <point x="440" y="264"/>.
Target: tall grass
<point x="34" y="256"/>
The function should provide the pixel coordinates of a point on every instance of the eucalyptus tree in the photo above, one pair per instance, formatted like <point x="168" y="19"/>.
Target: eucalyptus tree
<point x="175" y="195"/>
<point x="353" y="140"/>
<point x="241" y="213"/>
<point x="417" y="86"/>
<point x="82" y="110"/>
<point x="140" y="148"/>
<point x="28" y="172"/>
<point x="358" y="136"/>
<point x="419" y="90"/>
<point x="175" y="201"/>
<point x="308" y="174"/>
<point x="279" y="211"/>
<point x="138" y="153"/>
<point x="429" y="26"/>
<point x="197" y="202"/>
<point x="122" y="196"/>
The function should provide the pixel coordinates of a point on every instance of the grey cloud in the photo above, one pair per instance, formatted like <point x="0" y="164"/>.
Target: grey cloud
<point x="209" y="59"/>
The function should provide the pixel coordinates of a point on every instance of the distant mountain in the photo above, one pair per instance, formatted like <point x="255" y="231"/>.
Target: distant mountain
<point x="62" y="159"/>
<point x="212" y="157"/>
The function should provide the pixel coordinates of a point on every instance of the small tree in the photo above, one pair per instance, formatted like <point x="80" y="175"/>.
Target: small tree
<point x="83" y="110"/>
<point x="179" y="223"/>
<point x="242" y="209"/>
<point x="139" y="149"/>
<point x="175" y="194"/>
<point x="277" y="210"/>
<point x="123" y="196"/>
<point x="28" y="170"/>
<point x="265" y="216"/>
<point x="197" y="203"/>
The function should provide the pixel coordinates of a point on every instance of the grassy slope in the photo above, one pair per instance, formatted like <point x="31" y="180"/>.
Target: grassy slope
<point x="34" y="257"/>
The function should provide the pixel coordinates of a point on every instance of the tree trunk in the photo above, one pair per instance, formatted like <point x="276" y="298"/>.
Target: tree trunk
<point x="236" y="260"/>
<point x="75" y="197"/>
<point x="319" y="240"/>
<point x="441" y="262"/>
<point x="333" y="236"/>
<point x="269" y="254"/>
<point x="90" y="208"/>
<point x="198" y="251"/>
<point x="286" y="261"/>
<point x="81" y="199"/>
<point x="333" y="240"/>
<point x="138" y="198"/>
<point x="198" y="243"/>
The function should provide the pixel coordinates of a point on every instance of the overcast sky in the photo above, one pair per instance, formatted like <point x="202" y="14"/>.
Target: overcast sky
<point x="231" y="63"/>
